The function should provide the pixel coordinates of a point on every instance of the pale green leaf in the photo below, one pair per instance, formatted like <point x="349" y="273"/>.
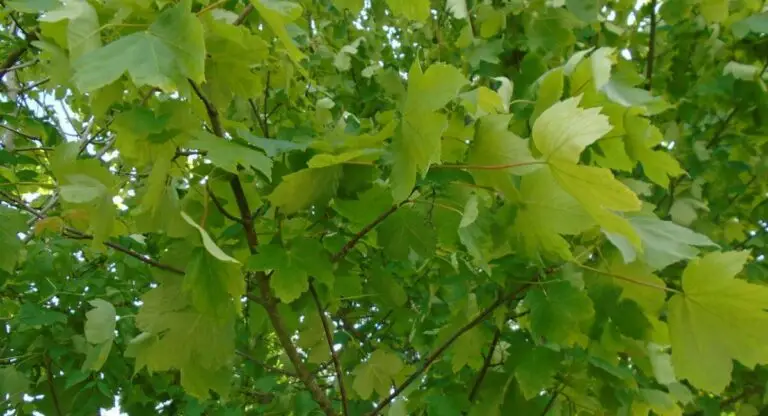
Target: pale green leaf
<point x="717" y="319"/>
<point x="96" y="356"/>
<point x="301" y="189"/>
<point x="547" y="212"/>
<point x="504" y="153"/>
<point x="416" y="145"/>
<point x="433" y="89"/>
<point x="325" y="160"/>
<point x="458" y="8"/>
<point x="564" y="130"/>
<point x="83" y="31"/>
<point x="714" y="11"/>
<point x="278" y="14"/>
<point x="228" y="155"/>
<point x="100" y="322"/>
<point x="467" y="351"/>
<point x="81" y="189"/>
<point x="601" y="195"/>
<point x="208" y="242"/>
<point x="163" y="56"/>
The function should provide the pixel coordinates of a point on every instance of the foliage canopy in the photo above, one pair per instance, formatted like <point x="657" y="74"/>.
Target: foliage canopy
<point x="350" y="207"/>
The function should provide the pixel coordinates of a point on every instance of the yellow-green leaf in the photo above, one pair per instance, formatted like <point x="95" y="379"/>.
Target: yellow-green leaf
<point x="717" y="319"/>
<point x="564" y="130"/>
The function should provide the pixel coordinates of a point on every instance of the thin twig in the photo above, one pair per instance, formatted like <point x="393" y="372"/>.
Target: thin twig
<point x="351" y="243"/>
<point x="627" y="279"/>
<point x="486" y="365"/>
<point x="243" y="15"/>
<point x="51" y="386"/>
<point x="432" y="357"/>
<point x="210" y="109"/>
<point x="651" y="48"/>
<point x="266" y="366"/>
<point x="552" y="399"/>
<point x="334" y="355"/>
<point x="219" y="206"/>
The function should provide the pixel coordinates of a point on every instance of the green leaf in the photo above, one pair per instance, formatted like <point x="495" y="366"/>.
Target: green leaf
<point x="601" y="195"/>
<point x="301" y="189"/>
<point x="228" y="155"/>
<point x="215" y="287"/>
<point x="100" y="322"/>
<point x="564" y="130"/>
<point x="495" y="146"/>
<point x="549" y="92"/>
<point x="96" y="356"/>
<point x="416" y="145"/>
<point x="376" y="374"/>
<point x="208" y="242"/>
<point x="82" y="188"/>
<point x="546" y="213"/>
<point x="467" y="351"/>
<point x="404" y="231"/>
<point x="368" y="206"/>
<point x="413" y="10"/>
<point x="433" y="89"/>
<point x="714" y="10"/>
<point x="757" y="23"/>
<point x="558" y="312"/>
<point x="278" y="14"/>
<point x="177" y="336"/>
<point x="716" y="319"/>
<point x="35" y="316"/>
<point x="12" y="223"/>
<point x="293" y="267"/>
<point x="537" y="370"/>
<point x="13" y="384"/>
<point x="458" y="8"/>
<point x="664" y="242"/>
<point x="83" y="31"/>
<point x="171" y="50"/>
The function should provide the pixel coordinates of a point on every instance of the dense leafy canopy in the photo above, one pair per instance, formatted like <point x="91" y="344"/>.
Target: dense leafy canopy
<point x="352" y="207"/>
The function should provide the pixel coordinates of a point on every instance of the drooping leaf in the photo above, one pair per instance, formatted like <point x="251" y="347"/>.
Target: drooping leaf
<point x="208" y="242"/>
<point x="215" y="287"/>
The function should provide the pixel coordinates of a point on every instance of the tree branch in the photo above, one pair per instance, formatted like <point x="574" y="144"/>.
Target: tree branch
<point x="78" y="235"/>
<point x="651" y="48"/>
<point x="334" y="355"/>
<point x="51" y="386"/>
<point x="221" y="207"/>
<point x="432" y="357"/>
<point x="268" y="300"/>
<point x="486" y="365"/>
<point x="360" y="234"/>
<point x="243" y="15"/>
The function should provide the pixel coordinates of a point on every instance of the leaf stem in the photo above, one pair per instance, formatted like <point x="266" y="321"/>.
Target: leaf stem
<point x="334" y="355"/>
<point x="627" y="279"/>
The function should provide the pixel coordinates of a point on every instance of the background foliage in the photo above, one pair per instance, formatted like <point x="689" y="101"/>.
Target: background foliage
<point x="386" y="207"/>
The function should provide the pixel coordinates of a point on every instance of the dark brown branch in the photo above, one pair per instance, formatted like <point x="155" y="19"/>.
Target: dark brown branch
<point x="552" y="399"/>
<point x="651" y="48"/>
<point x="51" y="386"/>
<point x="486" y="365"/>
<point x="257" y="116"/>
<point x="432" y="357"/>
<point x="268" y="300"/>
<point x="220" y="207"/>
<point x="243" y="15"/>
<point x="210" y="109"/>
<point x="334" y="355"/>
<point x="360" y="234"/>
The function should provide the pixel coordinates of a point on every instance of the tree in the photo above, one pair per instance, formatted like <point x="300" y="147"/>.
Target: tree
<point x="351" y="207"/>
